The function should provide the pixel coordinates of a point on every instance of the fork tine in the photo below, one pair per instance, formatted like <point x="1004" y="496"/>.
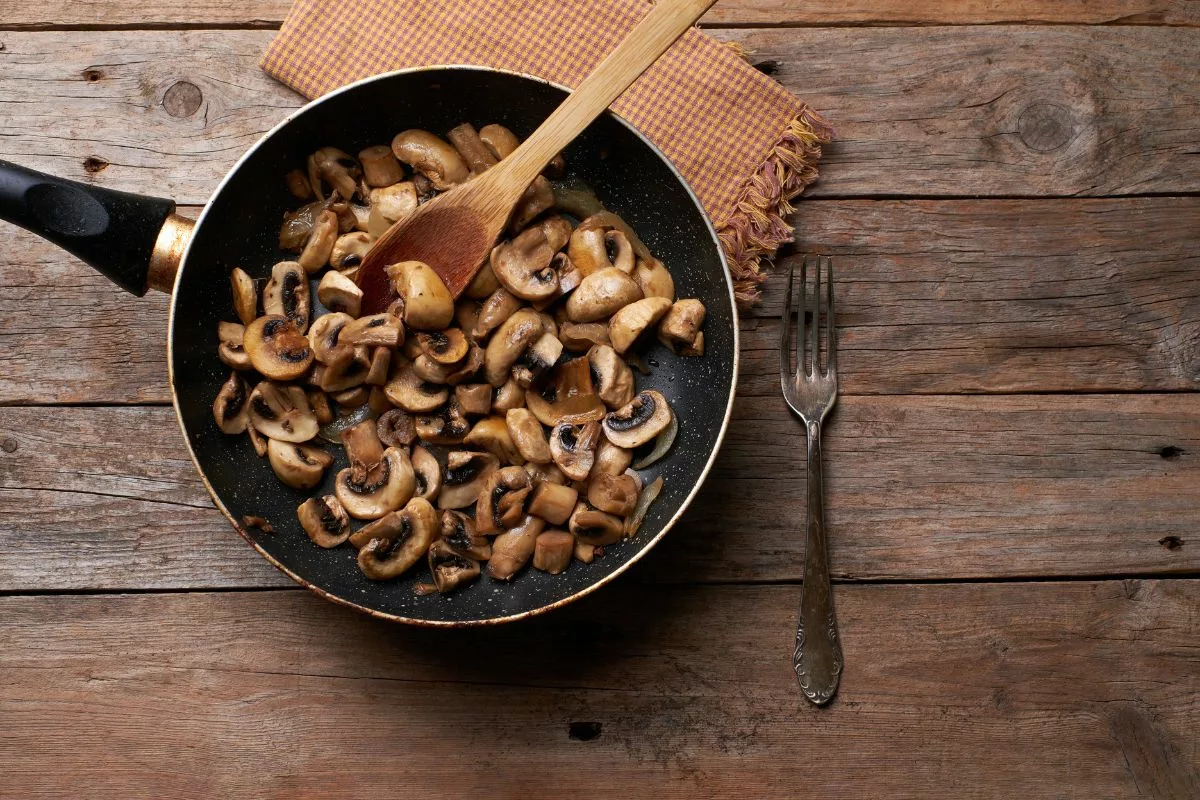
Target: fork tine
<point x="815" y="331"/>
<point x="830" y="323"/>
<point x="800" y="311"/>
<point x="785" y="335"/>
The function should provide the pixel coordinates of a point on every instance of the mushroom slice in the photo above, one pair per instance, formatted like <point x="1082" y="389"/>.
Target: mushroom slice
<point x="512" y="549"/>
<point x="282" y="413"/>
<point x="619" y="251"/>
<point x="492" y="434"/>
<point x="525" y="431"/>
<point x="300" y="466"/>
<point x="611" y="459"/>
<point x="601" y="294"/>
<point x="450" y="570"/>
<point x="465" y="475"/>
<point x="628" y="324"/>
<point x="474" y="152"/>
<point x="395" y="429"/>
<point x="231" y="350"/>
<point x="340" y="294"/>
<point x="537" y="197"/>
<point x="286" y="293"/>
<point x="257" y="441"/>
<point x="230" y="406"/>
<point x="586" y="249"/>
<point x="320" y="244"/>
<point x="377" y="480"/>
<point x="510" y="395"/>
<point x="501" y="501"/>
<point x="339" y="169"/>
<point x="509" y="342"/>
<point x="346" y="374"/>
<point x="352" y="398"/>
<point x="482" y="285"/>
<point x="324" y="520"/>
<point x="245" y="295"/>
<point x="466" y="313"/>
<point x="615" y="494"/>
<point x="324" y="335"/>
<point x="446" y="426"/>
<point x="348" y="251"/>
<point x="539" y="359"/>
<point x="377" y="330"/>
<point x="571" y="398"/>
<point x="580" y="336"/>
<point x="499" y="139"/>
<point x="546" y="473"/>
<point x="496" y="309"/>
<point x="434" y="158"/>
<point x="594" y="527"/>
<point x="429" y="370"/>
<point x="408" y="391"/>
<point x="381" y="363"/>
<point x="474" y="398"/>
<point x="654" y="279"/>
<point x="680" y="327"/>
<point x="319" y="402"/>
<point x="428" y="304"/>
<point x="408" y="535"/>
<point x="611" y="376"/>
<point x="458" y="531"/>
<point x="573" y="448"/>
<point x="276" y="348"/>
<point x="391" y="204"/>
<point x="636" y="423"/>
<point x="428" y="473"/>
<point x="552" y="551"/>
<point x="445" y="347"/>
<point x="523" y="264"/>
<point x="380" y="167"/>
<point x="553" y="502"/>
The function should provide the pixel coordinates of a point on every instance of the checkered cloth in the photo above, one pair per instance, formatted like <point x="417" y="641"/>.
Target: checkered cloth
<point x="744" y="143"/>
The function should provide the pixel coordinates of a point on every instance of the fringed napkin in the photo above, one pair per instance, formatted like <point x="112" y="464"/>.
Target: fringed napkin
<point x="745" y="144"/>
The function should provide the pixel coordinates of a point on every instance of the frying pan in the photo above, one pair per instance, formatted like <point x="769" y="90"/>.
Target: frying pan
<point x="139" y="243"/>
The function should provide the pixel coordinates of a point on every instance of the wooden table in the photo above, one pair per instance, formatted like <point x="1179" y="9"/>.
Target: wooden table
<point x="1013" y="469"/>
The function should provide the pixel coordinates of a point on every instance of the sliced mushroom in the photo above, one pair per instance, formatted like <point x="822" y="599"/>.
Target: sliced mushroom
<point x="352" y="398"/>
<point x="376" y="330"/>
<point x="501" y="501"/>
<point x="320" y="244"/>
<point x="428" y="304"/>
<point x="346" y="374"/>
<point x="552" y="551"/>
<point x="492" y="434"/>
<point x="377" y="480"/>
<point x="448" y="346"/>
<point x="230" y="408"/>
<point x="538" y="359"/>
<point x="432" y="157"/>
<point x="509" y="396"/>
<point x="466" y="472"/>
<point x="412" y="394"/>
<point x="324" y="520"/>
<point x="319" y="402"/>
<point x="474" y="398"/>
<point x="458" y="531"/>
<point x="391" y="204"/>
<point x="611" y="376"/>
<point x="433" y="372"/>
<point x="282" y="413"/>
<point x="346" y="218"/>
<point x="286" y="294"/>
<point x="509" y="342"/>
<point x="601" y="294"/>
<point x="300" y="466"/>
<point x="639" y="421"/>
<point x="339" y="294"/>
<point x="628" y="324"/>
<point x="381" y="363"/>
<point x="615" y="494"/>
<point x="377" y="401"/>
<point x="595" y="246"/>
<point x="276" y="348"/>
<point x="474" y="152"/>
<point x="596" y="528"/>
<point x="553" y="502"/>
<point x="406" y="539"/>
<point x="499" y="139"/>
<point x="496" y="309"/>
<point x="523" y="264"/>
<point x="466" y="313"/>
<point x="324" y="336"/>
<point x="348" y="251"/>
<point x="257" y="441"/>
<point x="611" y="459"/>
<point x="573" y="448"/>
<point x="512" y="549"/>
<point x="537" y="197"/>
<point x="428" y="473"/>
<point x="395" y="428"/>
<point x="380" y="167"/>
<point x="450" y="570"/>
<point x="571" y="398"/>
<point x="339" y="169"/>
<point x="654" y="279"/>
<point x="680" y="327"/>
<point x="546" y="473"/>
<point x="447" y="425"/>
<point x="245" y="295"/>
<point x="581" y="336"/>
<point x="231" y="350"/>
<point x="525" y="431"/>
<point x="619" y="251"/>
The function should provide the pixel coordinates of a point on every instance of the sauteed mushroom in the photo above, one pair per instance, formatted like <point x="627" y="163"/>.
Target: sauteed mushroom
<point x="680" y="328"/>
<point x="445" y="347"/>
<point x="409" y="392"/>
<point x="501" y="502"/>
<point x="282" y="412"/>
<point x="458" y="532"/>
<point x="230" y="407"/>
<point x="276" y="348"/>
<point x="654" y="279"/>
<point x="430" y="156"/>
<point x="380" y="167"/>
<point x="324" y="520"/>
<point x="496" y="309"/>
<point x="427" y="302"/>
<point x="377" y="480"/>
<point x="395" y="428"/>
<point x="600" y="294"/>
<point x="492" y="434"/>
<point x="447" y="425"/>
<point x="232" y="350"/>
<point x="287" y="294"/>
<point x="628" y="324"/>
<point x="450" y="569"/>
<point x="553" y="502"/>
<point x="377" y="330"/>
<point x="320" y="243"/>
<point x="428" y="474"/>
<point x="245" y="296"/>
<point x="573" y="448"/>
<point x="594" y="527"/>
<point x="324" y="338"/>
<point x="466" y="473"/>
<point x="338" y="293"/>
<point x="526" y="433"/>
<point x="348" y="251"/>
<point x="512" y="549"/>
<point x="400" y="542"/>
<point x="474" y="398"/>
<point x="615" y="494"/>
<point x="300" y="466"/>
<point x="639" y="421"/>
<point x="552" y="551"/>
<point x="611" y="376"/>
<point x="509" y="342"/>
<point x="523" y="264"/>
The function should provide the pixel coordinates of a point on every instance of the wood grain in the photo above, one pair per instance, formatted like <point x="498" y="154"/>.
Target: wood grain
<point x="972" y="690"/>
<point x="933" y="297"/>
<point x="917" y="488"/>
<point x="945" y="111"/>
<point x="17" y="15"/>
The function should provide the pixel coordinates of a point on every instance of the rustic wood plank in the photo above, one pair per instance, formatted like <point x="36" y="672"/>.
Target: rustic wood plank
<point x="934" y="297"/>
<point x="966" y="690"/>
<point x="945" y="111"/>
<point x="16" y="15"/>
<point x="918" y="488"/>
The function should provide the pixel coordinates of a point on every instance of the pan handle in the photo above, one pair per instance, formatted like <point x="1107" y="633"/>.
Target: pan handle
<point x="134" y="240"/>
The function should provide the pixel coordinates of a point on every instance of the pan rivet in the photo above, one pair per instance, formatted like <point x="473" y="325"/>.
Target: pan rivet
<point x="183" y="99"/>
<point x="9" y="445"/>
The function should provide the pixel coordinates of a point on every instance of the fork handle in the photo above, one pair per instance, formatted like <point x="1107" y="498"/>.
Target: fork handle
<point x="817" y="659"/>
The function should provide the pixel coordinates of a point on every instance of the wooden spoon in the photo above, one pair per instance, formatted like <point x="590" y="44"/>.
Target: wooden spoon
<point x="454" y="232"/>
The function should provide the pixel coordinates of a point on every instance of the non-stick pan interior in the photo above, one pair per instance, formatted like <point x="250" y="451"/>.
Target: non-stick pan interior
<point x="240" y="228"/>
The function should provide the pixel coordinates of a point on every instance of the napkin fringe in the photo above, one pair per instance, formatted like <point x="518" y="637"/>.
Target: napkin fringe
<point x="757" y="228"/>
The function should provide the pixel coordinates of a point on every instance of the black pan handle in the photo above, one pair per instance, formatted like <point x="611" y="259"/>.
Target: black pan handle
<point x="115" y="232"/>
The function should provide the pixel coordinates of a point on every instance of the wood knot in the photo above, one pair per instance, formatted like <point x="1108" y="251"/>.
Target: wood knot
<point x="94" y="164"/>
<point x="1170" y="452"/>
<point x="182" y="99"/>
<point x="1171" y="542"/>
<point x="9" y="445"/>
<point x="1045" y="127"/>
<point x="91" y="75"/>
<point x="584" y="731"/>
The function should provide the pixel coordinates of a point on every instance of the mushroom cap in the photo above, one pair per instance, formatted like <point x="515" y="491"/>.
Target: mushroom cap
<point x="510" y="395"/>
<point x="383" y="490"/>
<point x="287" y="294"/>
<point x="482" y="285"/>
<point x="594" y="527"/>
<point x="538" y="359"/>
<point x="523" y="264"/>
<point x="431" y="156"/>
<point x="338" y="293"/>
<point x="319" y="247"/>
<point x="639" y="421"/>
<point x="324" y="336"/>
<point x="474" y="398"/>
<point x="375" y="330"/>
<point x="324" y="520"/>
<point x="615" y="494"/>
<point x="654" y="279"/>
<point x="512" y="549"/>
<point x="300" y="466"/>
<point x="611" y="376"/>
<point x="276" y="348"/>
<point x="282" y="412"/>
<point x="508" y="343"/>
<point x="411" y="534"/>
<point x="581" y="336"/>
<point x="428" y="304"/>
<point x="395" y="428"/>
<point x="681" y="324"/>
<point x="347" y="373"/>
<point x="231" y="405"/>
<point x="496" y="308"/>
<point x="389" y="205"/>
<point x="428" y="473"/>
<point x="466" y="472"/>
<point x="449" y="374"/>
<point x="380" y="166"/>
<point x="450" y="569"/>
<point x="232" y="351"/>
<point x="601" y="294"/>
<point x="449" y="346"/>
<point x="527" y="434"/>
<point x="245" y="295"/>
<point x="573" y="448"/>
<point x="494" y="506"/>
<point x="409" y="392"/>
<point x="630" y="322"/>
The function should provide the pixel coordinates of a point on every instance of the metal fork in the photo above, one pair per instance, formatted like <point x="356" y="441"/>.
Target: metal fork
<point x="811" y="392"/>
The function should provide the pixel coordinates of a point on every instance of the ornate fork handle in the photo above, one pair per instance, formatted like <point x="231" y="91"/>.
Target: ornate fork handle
<point x="818" y="656"/>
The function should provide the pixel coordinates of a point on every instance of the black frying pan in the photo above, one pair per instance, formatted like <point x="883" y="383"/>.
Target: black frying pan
<point x="137" y="242"/>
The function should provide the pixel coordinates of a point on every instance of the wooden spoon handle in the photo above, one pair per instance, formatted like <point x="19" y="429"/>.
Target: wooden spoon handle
<point x="665" y="23"/>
